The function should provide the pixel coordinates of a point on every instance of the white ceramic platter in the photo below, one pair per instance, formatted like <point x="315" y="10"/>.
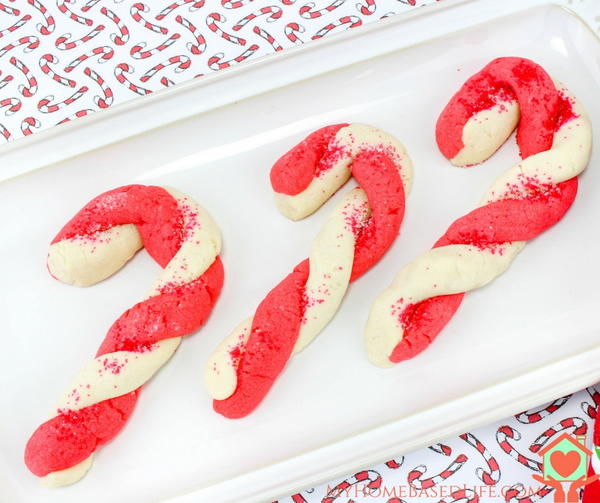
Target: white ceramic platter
<point x="530" y="336"/>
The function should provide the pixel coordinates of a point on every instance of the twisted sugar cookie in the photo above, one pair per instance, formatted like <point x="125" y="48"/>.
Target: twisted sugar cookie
<point x="360" y="230"/>
<point x="99" y="240"/>
<point x="555" y="139"/>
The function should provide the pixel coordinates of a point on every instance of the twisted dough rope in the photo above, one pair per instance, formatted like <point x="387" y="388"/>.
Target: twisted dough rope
<point x="359" y="231"/>
<point x="181" y="236"/>
<point x="554" y="136"/>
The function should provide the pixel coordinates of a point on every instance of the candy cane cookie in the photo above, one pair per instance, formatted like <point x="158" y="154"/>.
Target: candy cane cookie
<point x="357" y="234"/>
<point x="554" y="137"/>
<point x="181" y="236"/>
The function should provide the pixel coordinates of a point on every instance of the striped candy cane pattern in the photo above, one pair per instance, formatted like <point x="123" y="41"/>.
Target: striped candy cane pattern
<point x="394" y="464"/>
<point x="137" y="51"/>
<point x="308" y="10"/>
<point x="106" y="99"/>
<point x="122" y="33"/>
<point x="15" y="26"/>
<point x="507" y="433"/>
<point x="211" y="22"/>
<point x="136" y="15"/>
<point x="591" y="409"/>
<point x="30" y="43"/>
<point x="291" y="31"/>
<point x="47" y="27"/>
<point x="180" y="62"/>
<point x="64" y="42"/>
<point x="514" y="485"/>
<point x="367" y="7"/>
<point x="217" y="62"/>
<point x="415" y="477"/>
<point x="181" y="236"/>
<point x="490" y="476"/>
<point x="44" y="63"/>
<point x="536" y="415"/>
<point x="179" y="3"/>
<point x="27" y="126"/>
<point x="555" y="140"/>
<point x="360" y="230"/>
<point x="123" y="37"/>
<point x="441" y="449"/>
<point x="88" y="5"/>
<point x="5" y="80"/>
<point x="80" y="113"/>
<point x="351" y="21"/>
<point x="138" y="28"/>
<point x="11" y="105"/>
<point x="234" y="4"/>
<point x="105" y="53"/>
<point x="120" y="72"/>
<point x="200" y="46"/>
<point x="271" y="14"/>
<point x="5" y="132"/>
<point x="46" y="105"/>
<point x="122" y="41"/>
<point x="577" y="426"/>
<point x="65" y="10"/>
<point x="31" y="88"/>
<point x="518" y="494"/>
<point x="298" y="498"/>
<point x="9" y="10"/>
<point x="268" y="37"/>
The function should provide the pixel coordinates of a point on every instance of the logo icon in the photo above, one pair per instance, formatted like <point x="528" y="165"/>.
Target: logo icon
<point x="565" y="460"/>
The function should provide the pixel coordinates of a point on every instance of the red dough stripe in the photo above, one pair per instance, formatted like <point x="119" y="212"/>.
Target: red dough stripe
<point x="521" y="216"/>
<point x="174" y="313"/>
<point x="72" y="436"/>
<point x="294" y="171"/>
<point x="498" y="222"/>
<point x="152" y="209"/>
<point x="504" y="79"/>
<point x="274" y="332"/>
<point x="69" y="438"/>
<point x="277" y="320"/>
<point x="513" y="219"/>
<point x="379" y="178"/>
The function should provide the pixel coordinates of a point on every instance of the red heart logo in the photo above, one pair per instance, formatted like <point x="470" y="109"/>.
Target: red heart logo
<point x="565" y="463"/>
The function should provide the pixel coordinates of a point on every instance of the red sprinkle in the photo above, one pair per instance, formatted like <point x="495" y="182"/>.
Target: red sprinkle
<point x="294" y="171"/>
<point x="502" y="80"/>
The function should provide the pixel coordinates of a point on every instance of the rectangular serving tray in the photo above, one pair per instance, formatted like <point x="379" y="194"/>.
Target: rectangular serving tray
<point x="530" y="336"/>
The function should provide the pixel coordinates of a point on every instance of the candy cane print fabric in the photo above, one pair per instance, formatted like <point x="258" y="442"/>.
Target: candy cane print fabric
<point x="65" y="59"/>
<point x="181" y="236"/>
<point x="493" y="464"/>
<point x="554" y="136"/>
<point x="361" y="228"/>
